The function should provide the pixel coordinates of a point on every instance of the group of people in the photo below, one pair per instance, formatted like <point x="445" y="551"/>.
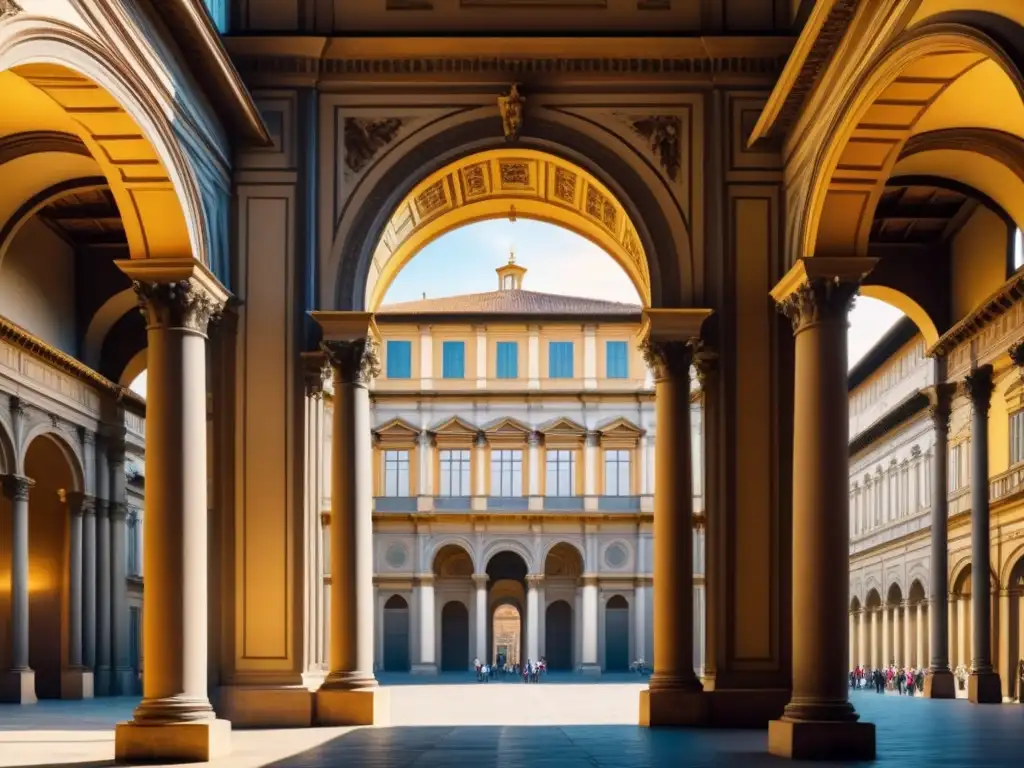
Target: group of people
<point x="530" y="672"/>
<point x="907" y="680"/>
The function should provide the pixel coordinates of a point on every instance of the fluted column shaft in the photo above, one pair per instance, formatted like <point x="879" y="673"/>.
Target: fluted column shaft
<point x="175" y="633"/>
<point x="17" y="488"/>
<point x="314" y="369"/>
<point x="589" y="621"/>
<point x="673" y="527"/>
<point x="353" y="364"/>
<point x="706" y="364"/>
<point x="821" y="503"/>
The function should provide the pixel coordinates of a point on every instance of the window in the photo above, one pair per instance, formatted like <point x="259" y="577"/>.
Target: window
<point x="133" y="545"/>
<point x="560" y="359"/>
<point x="506" y="473"/>
<point x="455" y="473"/>
<point x="508" y="360"/>
<point x="1017" y="437"/>
<point x="134" y="637"/>
<point x="509" y="283"/>
<point x="616" y="473"/>
<point x="453" y="359"/>
<point x="399" y="359"/>
<point x="561" y="480"/>
<point x="954" y="467"/>
<point x="396" y="473"/>
<point x="617" y="360"/>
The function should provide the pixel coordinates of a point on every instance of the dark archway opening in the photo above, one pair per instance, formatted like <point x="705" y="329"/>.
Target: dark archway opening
<point x="454" y="637"/>
<point x="396" y="635"/>
<point x="558" y="637"/>
<point x="616" y="635"/>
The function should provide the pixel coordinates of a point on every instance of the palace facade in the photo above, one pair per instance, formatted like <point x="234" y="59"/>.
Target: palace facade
<point x="255" y="173"/>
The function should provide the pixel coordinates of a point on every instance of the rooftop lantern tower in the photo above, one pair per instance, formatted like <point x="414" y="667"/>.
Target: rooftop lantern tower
<point x="510" y="276"/>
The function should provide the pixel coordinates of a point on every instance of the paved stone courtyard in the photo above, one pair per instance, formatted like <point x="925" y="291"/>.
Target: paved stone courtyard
<point x="563" y="724"/>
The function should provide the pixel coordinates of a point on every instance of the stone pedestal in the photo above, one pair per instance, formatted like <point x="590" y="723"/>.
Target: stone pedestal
<point x="829" y="740"/>
<point x="18" y="686"/>
<point x="984" y="688"/>
<point x="183" y="742"/>
<point x="673" y="708"/>
<point x="360" y="707"/>
<point x="77" y="683"/>
<point x="939" y="684"/>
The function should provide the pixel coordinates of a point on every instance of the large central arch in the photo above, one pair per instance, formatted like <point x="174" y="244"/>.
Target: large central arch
<point x="433" y="181"/>
<point x="507" y="183"/>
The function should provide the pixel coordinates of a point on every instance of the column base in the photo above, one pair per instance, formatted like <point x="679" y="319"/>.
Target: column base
<point x="194" y="742"/>
<point x="939" y="685"/>
<point x="370" y="706"/>
<point x="312" y="680"/>
<point x="751" y="708"/>
<point x="424" y="669"/>
<point x="18" y="686"/>
<point x="984" y="688"/>
<point x="266" y="706"/>
<point x="821" y="740"/>
<point x="591" y="670"/>
<point x="667" y="707"/>
<point x="76" y="683"/>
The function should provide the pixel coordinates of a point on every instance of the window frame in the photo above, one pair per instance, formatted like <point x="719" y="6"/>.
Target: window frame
<point x="560" y="457"/>
<point x="458" y="468"/>
<point x="387" y="461"/>
<point x="513" y="465"/>
<point x="618" y="458"/>
<point x="1016" y="418"/>
<point x="561" y="345"/>
<point x="609" y="343"/>
<point x="390" y="357"/>
<point x="504" y="344"/>
<point x="451" y="343"/>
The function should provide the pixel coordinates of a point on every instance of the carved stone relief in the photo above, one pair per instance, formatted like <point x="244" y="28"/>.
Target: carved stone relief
<point x="600" y="208"/>
<point x="365" y="137"/>
<point x="8" y="8"/>
<point x="565" y="185"/>
<point x="515" y="175"/>
<point x="662" y="133"/>
<point x="431" y="199"/>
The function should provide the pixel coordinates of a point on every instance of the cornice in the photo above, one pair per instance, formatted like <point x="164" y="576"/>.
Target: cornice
<point x="996" y="305"/>
<point x="19" y="337"/>
<point x="205" y="54"/>
<point x="505" y="58"/>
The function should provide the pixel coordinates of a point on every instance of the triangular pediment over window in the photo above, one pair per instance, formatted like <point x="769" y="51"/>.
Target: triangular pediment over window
<point x="397" y="432"/>
<point x="454" y="431"/>
<point x="563" y="429"/>
<point x="507" y="431"/>
<point x="620" y="427"/>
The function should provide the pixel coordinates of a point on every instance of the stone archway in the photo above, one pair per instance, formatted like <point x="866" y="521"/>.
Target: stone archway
<point x="630" y="198"/>
<point x="396" y="634"/>
<point x="616" y="634"/>
<point x="558" y="636"/>
<point x="454" y="637"/>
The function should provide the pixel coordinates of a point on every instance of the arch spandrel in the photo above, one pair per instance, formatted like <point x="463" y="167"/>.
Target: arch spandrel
<point x="508" y="183"/>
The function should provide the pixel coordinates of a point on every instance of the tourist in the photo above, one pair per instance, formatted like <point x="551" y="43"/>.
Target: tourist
<point x="477" y="666"/>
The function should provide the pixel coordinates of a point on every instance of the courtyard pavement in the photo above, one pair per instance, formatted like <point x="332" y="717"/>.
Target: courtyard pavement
<point x="567" y="724"/>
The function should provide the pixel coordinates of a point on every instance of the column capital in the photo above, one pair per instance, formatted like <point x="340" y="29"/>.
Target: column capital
<point x="118" y="511"/>
<point x="425" y="439"/>
<point x="592" y="439"/>
<point x="667" y="359"/>
<point x="175" y="293"/>
<point x="534" y="580"/>
<point x="315" y="371"/>
<point x="705" y="360"/>
<point x="481" y="579"/>
<point x="978" y="386"/>
<point x="533" y="439"/>
<point x="81" y="504"/>
<point x="425" y="580"/>
<point x="820" y="289"/>
<point x="16" y="487"/>
<point x="588" y="580"/>
<point x="348" y="342"/>
<point x="669" y="336"/>
<point x="1016" y="352"/>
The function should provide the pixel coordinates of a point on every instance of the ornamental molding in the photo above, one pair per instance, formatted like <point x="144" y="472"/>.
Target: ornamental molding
<point x="985" y="333"/>
<point x="818" y="301"/>
<point x="356" y="360"/>
<point x="9" y="8"/>
<point x="667" y="359"/>
<point x="177" y="304"/>
<point x="663" y="134"/>
<point x="365" y="137"/>
<point x="510" y="106"/>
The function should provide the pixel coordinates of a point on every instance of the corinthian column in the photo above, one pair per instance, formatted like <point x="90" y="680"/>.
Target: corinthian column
<point x="18" y="684"/>
<point x="76" y="681"/>
<point x="314" y="370"/>
<point x="819" y="722"/>
<point x="706" y="363"/>
<point x="175" y="721"/>
<point x="675" y="696"/>
<point x="983" y="685"/>
<point x="349" y="695"/>
<point x="938" y="681"/>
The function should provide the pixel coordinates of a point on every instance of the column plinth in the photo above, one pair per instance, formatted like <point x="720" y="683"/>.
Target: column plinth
<point x="983" y="684"/>
<point x="349" y="694"/>
<point x="938" y="681"/>
<point x="674" y="696"/>
<point x="18" y="684"/>
<point x="819" y="722"/>
<point x="175" y="721"/>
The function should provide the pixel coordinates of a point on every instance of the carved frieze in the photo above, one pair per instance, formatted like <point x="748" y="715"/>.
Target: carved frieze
<point x="365" y="137"/>
<point x="510" y="106"/>
<point x="515" y="175"/>
<point x="565" y="185"/>
<point x="431" y="199"/>
<point x="600" y="208"/>
<point x="475" y="177"/>
<point x="663" y="136"/>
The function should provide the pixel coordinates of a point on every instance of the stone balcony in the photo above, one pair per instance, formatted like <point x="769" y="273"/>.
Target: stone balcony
<point x="605" y="505"/>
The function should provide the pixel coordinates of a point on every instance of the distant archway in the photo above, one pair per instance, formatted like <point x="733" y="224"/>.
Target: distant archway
<point x="396" y="635"/>
<point x="616" y="634"/>
<point x="507" y="631"/>
<point x="454" y="637"/>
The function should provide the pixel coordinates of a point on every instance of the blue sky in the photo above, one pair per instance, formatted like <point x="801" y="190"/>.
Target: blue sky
<point x="559" y="261"/>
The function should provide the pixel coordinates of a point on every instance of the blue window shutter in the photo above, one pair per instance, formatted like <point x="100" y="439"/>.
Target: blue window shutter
<point x="399" y="359"/>
<point x="617" y="361"/>
<point x="560" y="360"/>
<point x="453" y="362"/>
<point x="508" y="360"/>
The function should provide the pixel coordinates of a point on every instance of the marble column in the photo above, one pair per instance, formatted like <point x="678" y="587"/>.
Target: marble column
<point x="675" y="695"/>
<point x="820" y="722"/>
<point x="175" y="721"/>
<point x="533" y="582"/>
<point x="123" y="682"/>
<point x="89" y="569"/>
<point x="427" y="664"/>
<point x="640" y="620"/>
<point x="18" y="684"/>
<point x="104" y="676"/>
<point x="482" y="651"/>
<point x="314" y="371"/>
<point x="886" y="636"/>
<point x="863" y="655"/>
<point x="983" y="685"/>
<point x="853" y="640"/>
<point x="939" y="682"/>
<point x="349" y="694"/>
<point x="590" y="458"/>
<point x="706" y="365"/>
<point x="589" y="601"/>
<point x="909" y="624"/>
<point x="921" y="656"/>
<point x="1003" y="664"/>
<point x="76" y="679"/>
<point x="876" y="639"/>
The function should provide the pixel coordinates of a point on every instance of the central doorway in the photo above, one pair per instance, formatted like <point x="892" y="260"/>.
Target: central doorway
<point x="507" y="631"/>
<point x="558" y="636"/>
<point x="454" y="637"/>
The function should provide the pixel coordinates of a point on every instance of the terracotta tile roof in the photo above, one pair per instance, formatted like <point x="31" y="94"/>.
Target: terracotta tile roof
<point x="511" y="302"/>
